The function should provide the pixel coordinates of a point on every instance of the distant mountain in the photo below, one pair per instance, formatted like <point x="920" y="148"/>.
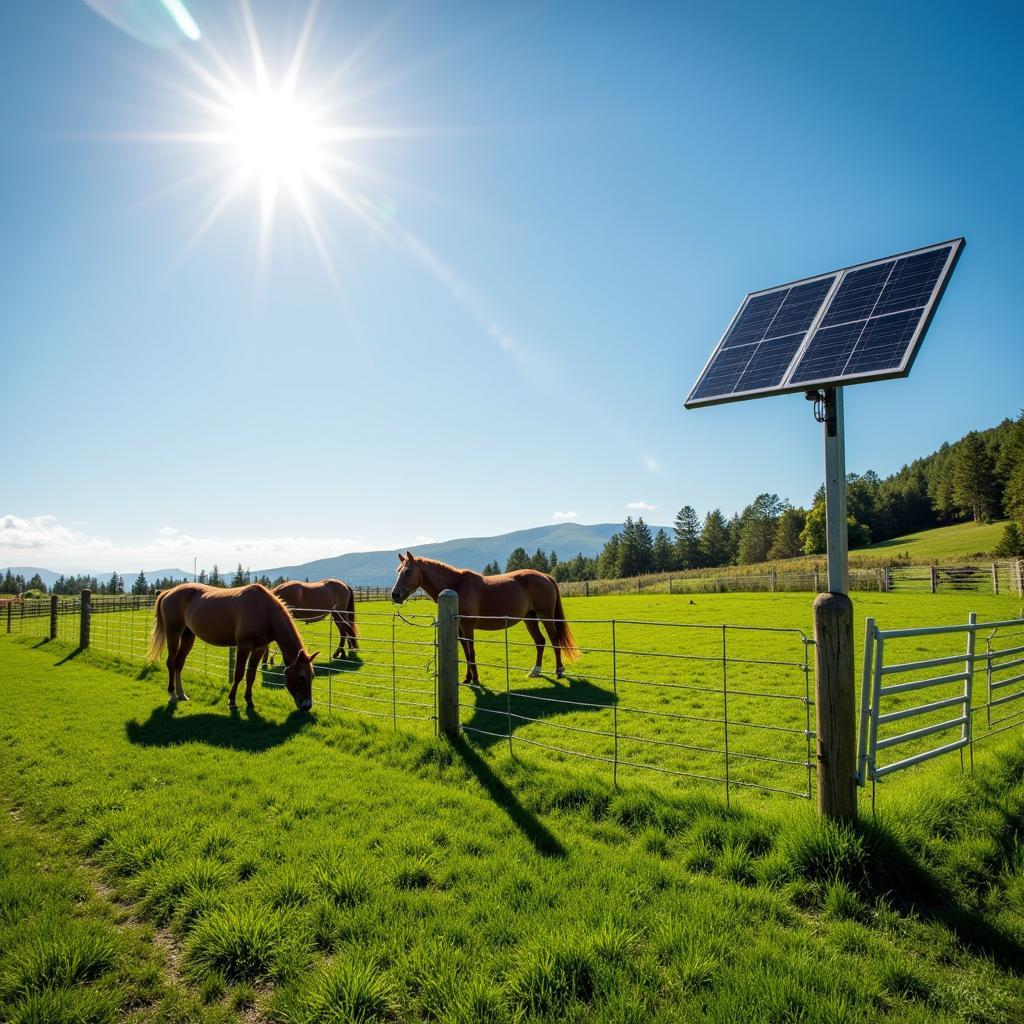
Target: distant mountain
<point x="49" y="577"/>
<point x="377" y="568"/>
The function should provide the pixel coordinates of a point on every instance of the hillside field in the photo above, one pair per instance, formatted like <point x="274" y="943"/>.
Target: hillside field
<point x="957" y="543"/>
<point x="267" y="865"/>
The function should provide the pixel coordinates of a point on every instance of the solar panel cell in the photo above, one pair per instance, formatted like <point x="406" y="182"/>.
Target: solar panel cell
<point x="769" y="363"/>
<point x="857" y="295"/>
<point x="883" y="343"/>
<point x="799" y="308"/>
<point x="755" y="319"/>
<point x="832" y="349"/>
<point x="912" y="282"/>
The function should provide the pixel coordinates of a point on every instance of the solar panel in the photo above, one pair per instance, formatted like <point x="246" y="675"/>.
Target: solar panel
<point x="864" y="322"/>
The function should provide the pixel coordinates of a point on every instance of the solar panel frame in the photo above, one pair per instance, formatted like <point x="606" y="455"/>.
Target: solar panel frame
<point x="786" y="385"/>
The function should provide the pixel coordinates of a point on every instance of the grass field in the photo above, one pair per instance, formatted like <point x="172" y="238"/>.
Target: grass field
<point x="944" y="543"/>
<point x="328" y="867"/>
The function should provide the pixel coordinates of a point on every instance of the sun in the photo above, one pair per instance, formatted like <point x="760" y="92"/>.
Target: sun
<point x="273" y="137"/>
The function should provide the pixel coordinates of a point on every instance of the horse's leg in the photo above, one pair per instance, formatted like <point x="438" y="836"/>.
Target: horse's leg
<point x="469" y="659"/>
<point x="173" y="642"/>
<point x="530" y="622"/>
<point x="241" y="656"/>
<point x="339" y="621"/>
<point x="185" y="643"/>
<point x="472" y="658"/>
<point x="552" y="632"/>
<point x="250" y="675"/>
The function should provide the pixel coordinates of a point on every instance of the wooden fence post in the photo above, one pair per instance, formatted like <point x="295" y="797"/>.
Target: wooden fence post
<point x="448" y="663"/>
<point x="995" y="578"/>
<point x="885" y="580"/>
<point x="9" y="603"/>
<point x="586" y="588"/>
<point x="934" y="581"/>
<point x="86" y="618"/>
<point x="817" y="589"/>
<point x="53" y="616"/>
<point x="835" y="707"/>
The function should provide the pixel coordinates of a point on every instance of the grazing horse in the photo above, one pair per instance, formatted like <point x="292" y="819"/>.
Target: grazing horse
<point x="311" y="602"/>
<point x="247" y="618"/>
<point x="493" y="602"/>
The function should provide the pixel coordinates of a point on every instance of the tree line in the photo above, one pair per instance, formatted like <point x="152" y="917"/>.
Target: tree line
<point x="979" y="478"/>
<point x="73" y="585"/>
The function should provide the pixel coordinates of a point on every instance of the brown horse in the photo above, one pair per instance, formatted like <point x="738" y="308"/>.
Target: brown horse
<point x="493" y="602"/>
<point x="311" y="602"/>
<point x="247" y="618"/>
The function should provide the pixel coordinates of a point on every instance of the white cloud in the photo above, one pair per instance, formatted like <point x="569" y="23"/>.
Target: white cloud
<point x="42" y="540"/>
<point x="562" y="517"/>
<point x="640" y="506"/>
<point x="651" y="464"/>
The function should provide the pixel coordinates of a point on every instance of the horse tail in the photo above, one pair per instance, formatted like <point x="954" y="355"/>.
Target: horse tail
<point x="351" y="610"/>
<point x="563" y="634"/>
<point x="157" y="638"/>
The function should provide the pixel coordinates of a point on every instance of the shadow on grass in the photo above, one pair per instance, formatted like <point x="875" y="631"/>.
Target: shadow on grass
<point x="491" y="721"/>
<point x="67" y="657"/>
<point x="543" y="840"/>
<point x="167" y="727"/>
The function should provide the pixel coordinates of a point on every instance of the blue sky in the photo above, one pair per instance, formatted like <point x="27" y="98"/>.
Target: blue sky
<point x="558" y="208"/>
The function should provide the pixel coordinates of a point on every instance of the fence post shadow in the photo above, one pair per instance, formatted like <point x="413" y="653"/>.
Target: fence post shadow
<point x="543" y="840"/>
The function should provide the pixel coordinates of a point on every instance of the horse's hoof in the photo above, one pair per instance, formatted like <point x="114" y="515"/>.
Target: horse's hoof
<point x="535" y="672"/>
<point x="560" y="674"/>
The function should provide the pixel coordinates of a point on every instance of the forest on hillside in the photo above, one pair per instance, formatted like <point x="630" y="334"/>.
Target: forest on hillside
<point x="980" y="478"/>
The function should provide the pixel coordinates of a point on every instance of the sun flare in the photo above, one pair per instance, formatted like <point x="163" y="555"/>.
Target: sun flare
<point x="273" y="137"/>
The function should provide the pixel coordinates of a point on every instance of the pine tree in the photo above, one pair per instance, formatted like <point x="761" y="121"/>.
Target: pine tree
<point x="518" y="559"/>
<point x="974" y="478"/>
<point x="714" y="540"/>
<point x="539" y="561"/>
<point x="116" y="584"/>
<point x="687" y="531"/>
<point x="644" y="548"/>
<point x="202" y="576"/>
<point x="216" y="580"/>
<point x="492" y="569"/>
<point x="140" y="586"/>
<point x="240" y="578"/>
<point x="8" y="586"/>
<point x="757" y="527"/>
<point x="36" y="583"/>
<point x="664" y="556"/>
<point x="609" y="561"/>
<point x="1011" y="544"/>
<point x="553" y="559"/>
<point x="787" y="543"/>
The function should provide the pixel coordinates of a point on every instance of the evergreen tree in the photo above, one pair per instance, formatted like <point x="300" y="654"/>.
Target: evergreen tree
<point x="279" y="581"/>
<point x="757" y="527"/>
<point x="553" y="559"/>
<point x="628" y="558"/>
<point x="610" y="559"/>
<point x="36" y="583"/>
<point x="974" y="478"/>
<point x="735" y="528"/>
<point x="492" y="569"/>
<point x="518" y="559"/>
<point x="8" y="586"/>
<point x="714" y="540"/>
<point x="116" y="584"/>
<point x="140" y="586"/>
<point x="539" y="561"/>
<point x="664" y="556"/>
<point x="687" y="531"/>
<point x="1011" y="544"/>
<point x="202" y="576"/>
<point x="787" y="543"/>
<point x="644" y="548"/>
<point x="216" y="580"/>
<point x="240" y="578"/>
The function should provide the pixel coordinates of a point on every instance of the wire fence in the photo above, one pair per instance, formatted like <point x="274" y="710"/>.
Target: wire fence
<point x="937" y="690"/>
<point x="726" y="705"/>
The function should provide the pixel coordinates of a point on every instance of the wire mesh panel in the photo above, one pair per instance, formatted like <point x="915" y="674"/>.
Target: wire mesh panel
<point x="389" y="675"/>
<point x="726" y="705"/>
<point x="1004" y="680"/>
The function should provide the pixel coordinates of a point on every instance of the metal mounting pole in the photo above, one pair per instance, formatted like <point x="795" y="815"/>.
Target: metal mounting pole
<point x="835" y="492"/>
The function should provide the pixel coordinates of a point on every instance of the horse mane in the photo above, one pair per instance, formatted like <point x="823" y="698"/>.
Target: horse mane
<point x="443" y="565"/>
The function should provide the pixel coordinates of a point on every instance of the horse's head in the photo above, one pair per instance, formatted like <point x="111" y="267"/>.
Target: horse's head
<point x="298" y="677"/>
<point x="410" y="576"/>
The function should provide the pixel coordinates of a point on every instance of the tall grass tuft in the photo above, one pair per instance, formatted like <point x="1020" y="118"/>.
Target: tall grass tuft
<point x="237" y="942"/>
<point x="343" y="992"/>
<point x="548" y="979"/>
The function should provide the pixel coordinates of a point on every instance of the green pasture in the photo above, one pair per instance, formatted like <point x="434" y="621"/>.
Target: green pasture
<point x="944" y="543"/>
<point x="651" y="692"/>
<point x="327" y="867"/>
